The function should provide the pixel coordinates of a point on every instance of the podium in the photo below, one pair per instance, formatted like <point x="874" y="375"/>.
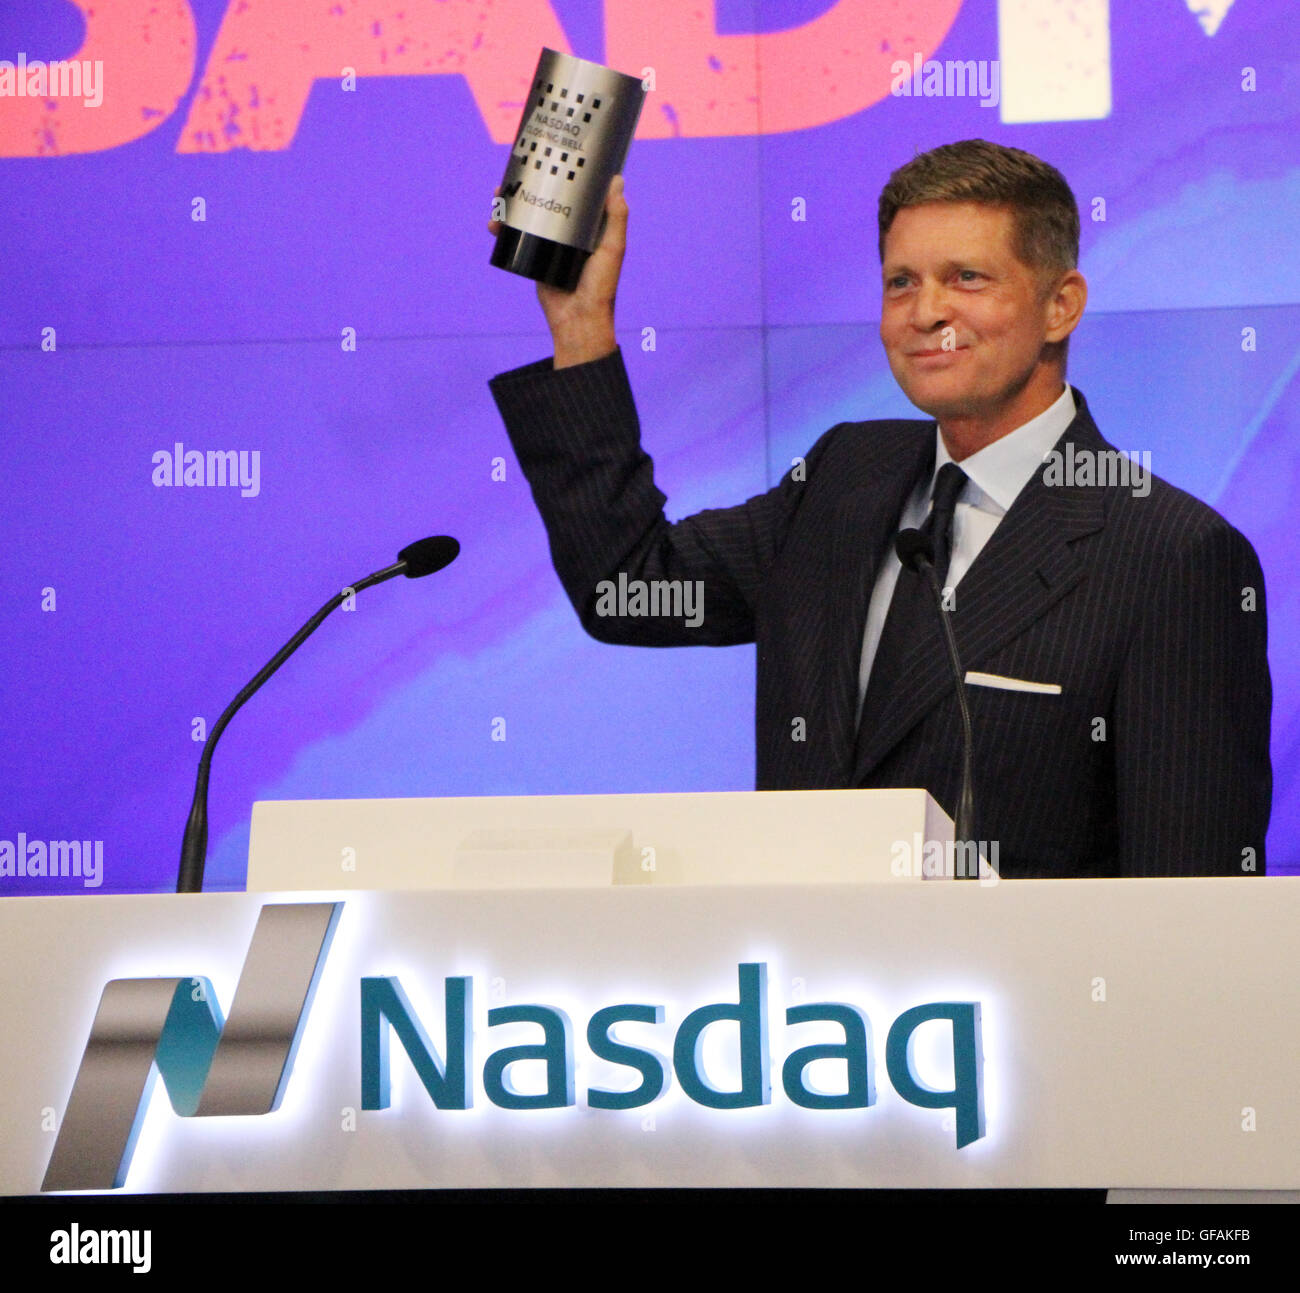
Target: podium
<point x="708" y="1020"/>
<point x="589" y="841"/>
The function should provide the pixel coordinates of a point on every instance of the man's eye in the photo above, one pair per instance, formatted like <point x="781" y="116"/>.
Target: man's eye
<point x="969" y="275"/>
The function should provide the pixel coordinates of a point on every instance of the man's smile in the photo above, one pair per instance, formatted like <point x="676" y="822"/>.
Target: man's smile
<point x="931" y="358"/>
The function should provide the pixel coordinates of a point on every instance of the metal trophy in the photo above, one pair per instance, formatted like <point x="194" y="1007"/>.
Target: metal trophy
<point x="572" y="140"/>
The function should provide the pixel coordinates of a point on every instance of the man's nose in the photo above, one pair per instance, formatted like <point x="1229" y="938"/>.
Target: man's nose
<point x="930" y="307"/>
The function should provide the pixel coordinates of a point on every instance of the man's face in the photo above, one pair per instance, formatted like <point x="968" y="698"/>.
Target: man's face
<point x="963" y="322"/>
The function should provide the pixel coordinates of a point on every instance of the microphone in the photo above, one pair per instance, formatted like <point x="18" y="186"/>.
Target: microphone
<point x="416" y="560"/>
<point x="427" y="556"/>
<point x="915" y="550"/>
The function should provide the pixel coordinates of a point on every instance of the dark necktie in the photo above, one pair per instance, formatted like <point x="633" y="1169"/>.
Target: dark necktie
<point x="912" y="605"/>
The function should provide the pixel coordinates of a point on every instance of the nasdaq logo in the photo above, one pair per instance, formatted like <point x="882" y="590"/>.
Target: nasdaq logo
<point x="173" y="1027"/>
<point x="447" y="1072"/>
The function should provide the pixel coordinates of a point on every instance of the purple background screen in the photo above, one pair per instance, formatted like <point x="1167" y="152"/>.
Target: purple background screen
<point x="131" y="610"/>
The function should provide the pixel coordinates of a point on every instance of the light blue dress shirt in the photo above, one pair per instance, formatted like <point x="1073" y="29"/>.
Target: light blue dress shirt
<point x="997" y="473"/>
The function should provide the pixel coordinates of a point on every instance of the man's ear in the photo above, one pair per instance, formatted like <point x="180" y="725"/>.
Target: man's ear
<point x="1065" y="305"/>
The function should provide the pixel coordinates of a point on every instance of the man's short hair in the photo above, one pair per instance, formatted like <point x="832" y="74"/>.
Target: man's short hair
<point x="1045" y="214"/>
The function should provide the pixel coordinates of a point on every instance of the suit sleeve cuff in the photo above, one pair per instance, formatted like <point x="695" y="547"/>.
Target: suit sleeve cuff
<point x="538" y="401"/>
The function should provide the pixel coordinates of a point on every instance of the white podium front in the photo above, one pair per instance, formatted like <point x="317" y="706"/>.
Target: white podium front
<point x="1138" y="1034"/>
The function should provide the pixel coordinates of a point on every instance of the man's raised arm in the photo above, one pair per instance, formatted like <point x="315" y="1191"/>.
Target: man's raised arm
<point x="633" y="577"/>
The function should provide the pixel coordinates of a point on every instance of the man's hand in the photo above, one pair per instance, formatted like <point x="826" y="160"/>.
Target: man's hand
<point x="582" y="321"/>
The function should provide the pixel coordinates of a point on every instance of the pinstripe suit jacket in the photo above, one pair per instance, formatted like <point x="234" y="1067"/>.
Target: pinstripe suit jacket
<point x="1153" y="759"/>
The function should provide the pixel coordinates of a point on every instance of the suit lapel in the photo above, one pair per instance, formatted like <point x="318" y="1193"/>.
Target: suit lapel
<point x="1023" y="570"/>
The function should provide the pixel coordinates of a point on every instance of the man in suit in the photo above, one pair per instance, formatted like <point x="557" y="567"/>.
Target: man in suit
<point x="1112" y="627"/>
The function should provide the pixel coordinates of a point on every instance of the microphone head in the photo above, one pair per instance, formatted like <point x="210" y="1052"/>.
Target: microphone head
<point x="912" y="546"/>
<point x="425" y="556"/>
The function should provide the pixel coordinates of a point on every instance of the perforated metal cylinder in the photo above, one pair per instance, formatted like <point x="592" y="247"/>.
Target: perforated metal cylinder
<point x="572" y="140"/>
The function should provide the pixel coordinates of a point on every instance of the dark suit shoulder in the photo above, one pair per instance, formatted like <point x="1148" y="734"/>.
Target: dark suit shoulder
<point x="1169" y="520"/>
<point x="850" y="454"/>
<point x="1143" y="507"/>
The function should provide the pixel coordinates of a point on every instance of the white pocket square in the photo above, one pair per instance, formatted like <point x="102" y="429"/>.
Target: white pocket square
<point x="1012" y="684"/>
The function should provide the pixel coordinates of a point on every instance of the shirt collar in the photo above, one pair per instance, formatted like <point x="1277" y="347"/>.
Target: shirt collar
<point x="1002" y="469"/>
